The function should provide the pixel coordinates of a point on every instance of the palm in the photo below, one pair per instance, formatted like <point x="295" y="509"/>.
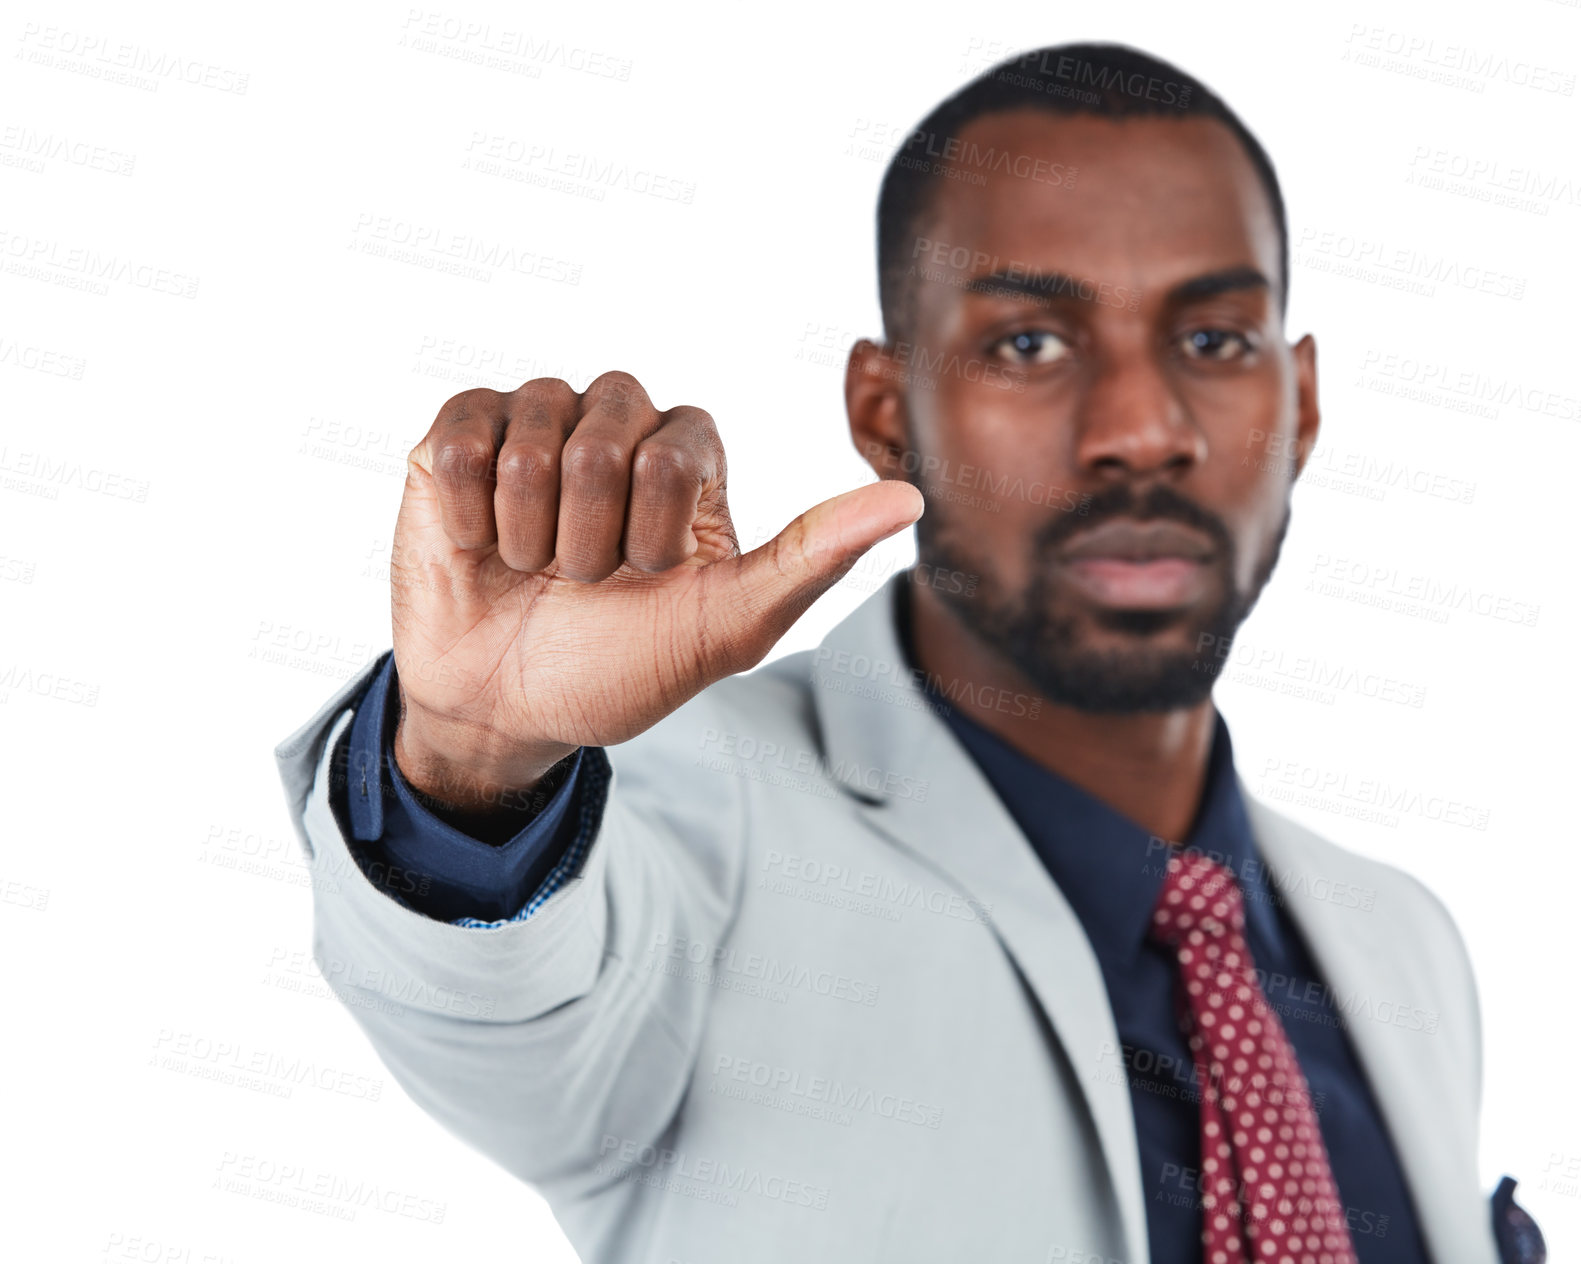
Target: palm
<point x="579" y="664"/>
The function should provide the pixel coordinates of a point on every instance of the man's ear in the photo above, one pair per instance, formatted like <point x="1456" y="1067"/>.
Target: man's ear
<point x="1307" y="417"/>
<point x="876" y="408"/>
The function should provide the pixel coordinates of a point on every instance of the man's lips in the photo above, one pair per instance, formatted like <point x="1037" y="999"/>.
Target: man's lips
<point x="1134" y="541"/>
<point x="1125" y="564"/>
<point x="1162" y="584"/>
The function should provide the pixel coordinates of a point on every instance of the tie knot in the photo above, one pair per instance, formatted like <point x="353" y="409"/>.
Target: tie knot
<point x="1199" y="895"/>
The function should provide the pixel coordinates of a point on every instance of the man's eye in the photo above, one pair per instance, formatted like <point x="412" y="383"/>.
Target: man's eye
<point x="1215" y="344"/>
<point x="1031" y="346"/>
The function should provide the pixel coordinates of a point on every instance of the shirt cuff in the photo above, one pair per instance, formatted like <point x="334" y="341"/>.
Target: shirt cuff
<point x="439" y="870"/>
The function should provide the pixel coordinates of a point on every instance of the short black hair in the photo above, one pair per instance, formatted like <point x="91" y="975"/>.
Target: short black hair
<point x="1106" y="80"/>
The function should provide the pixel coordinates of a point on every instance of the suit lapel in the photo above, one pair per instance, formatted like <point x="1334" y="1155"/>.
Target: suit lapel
<point x="963" y="832"/>
<point x="1359" y="955"/>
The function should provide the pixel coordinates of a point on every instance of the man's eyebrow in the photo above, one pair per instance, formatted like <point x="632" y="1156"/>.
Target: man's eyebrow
<point x="1241" y="277"/>
<point x="1048" y="285"/>
<point x="1031" y="285"/>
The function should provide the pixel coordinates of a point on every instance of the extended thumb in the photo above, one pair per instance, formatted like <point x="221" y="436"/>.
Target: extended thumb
<point x="780" y="579"/>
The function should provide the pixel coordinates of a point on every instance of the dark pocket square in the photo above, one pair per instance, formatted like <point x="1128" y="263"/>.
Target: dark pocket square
<point x="1520" y="1240"/>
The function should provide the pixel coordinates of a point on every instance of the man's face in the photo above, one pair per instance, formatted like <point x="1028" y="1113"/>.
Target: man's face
<point x="1110" y="454"/>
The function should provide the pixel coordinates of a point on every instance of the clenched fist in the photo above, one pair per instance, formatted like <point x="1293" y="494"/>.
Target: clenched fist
<point x="565" y="573"/>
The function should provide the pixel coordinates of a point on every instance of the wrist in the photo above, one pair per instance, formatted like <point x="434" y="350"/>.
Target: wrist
<point x="468" y="768"/>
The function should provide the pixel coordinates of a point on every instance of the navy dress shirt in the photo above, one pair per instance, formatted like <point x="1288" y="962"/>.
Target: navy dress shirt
<point x="1110" y="870"/>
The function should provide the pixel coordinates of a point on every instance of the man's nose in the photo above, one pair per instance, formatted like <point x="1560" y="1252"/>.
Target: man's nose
<point x="1132" y="420"/>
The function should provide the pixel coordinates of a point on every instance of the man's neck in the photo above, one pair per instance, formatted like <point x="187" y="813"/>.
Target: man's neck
<point x="1150" y="767"/>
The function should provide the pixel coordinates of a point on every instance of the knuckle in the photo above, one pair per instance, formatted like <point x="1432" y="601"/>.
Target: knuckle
<point x="462" y="457"/>
<point x="708" y="438"/>
<point x="594" y="460"/>
<point x="476" y="399"/>
<point x="546" y="387"/>
<point x="544" y="399"/>
<point x="526" y="465"/>
<point x="615" y="385"/>
<point x="700" y="418"/>
<point x="670" y="465"/>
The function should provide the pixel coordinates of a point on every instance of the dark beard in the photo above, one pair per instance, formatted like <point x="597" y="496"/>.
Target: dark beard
<point x="1046" y="647"/>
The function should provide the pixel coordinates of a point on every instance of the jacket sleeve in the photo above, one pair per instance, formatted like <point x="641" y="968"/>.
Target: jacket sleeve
<point x="541" y="1042"/>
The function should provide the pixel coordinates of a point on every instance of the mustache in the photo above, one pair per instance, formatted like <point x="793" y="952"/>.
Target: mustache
<point x="1119" y="500"/>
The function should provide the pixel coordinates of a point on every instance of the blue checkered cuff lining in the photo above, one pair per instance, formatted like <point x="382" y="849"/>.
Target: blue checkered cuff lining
<point x="595" y="775"/>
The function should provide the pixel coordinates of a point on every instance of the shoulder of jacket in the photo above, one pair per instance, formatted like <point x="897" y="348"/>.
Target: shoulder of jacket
<point x="1398" y="894"/>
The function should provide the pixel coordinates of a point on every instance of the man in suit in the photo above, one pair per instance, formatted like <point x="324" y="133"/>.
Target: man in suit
<point x="959" y="936"/>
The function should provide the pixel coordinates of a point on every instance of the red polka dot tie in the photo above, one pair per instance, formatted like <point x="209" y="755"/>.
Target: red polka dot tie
<point x="1267" y="1191"/>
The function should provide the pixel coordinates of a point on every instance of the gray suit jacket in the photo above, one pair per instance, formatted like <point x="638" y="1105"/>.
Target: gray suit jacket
<point x="814" y="997"/>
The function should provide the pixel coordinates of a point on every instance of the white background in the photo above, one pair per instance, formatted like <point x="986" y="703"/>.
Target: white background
<point x="194" y="482"/>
